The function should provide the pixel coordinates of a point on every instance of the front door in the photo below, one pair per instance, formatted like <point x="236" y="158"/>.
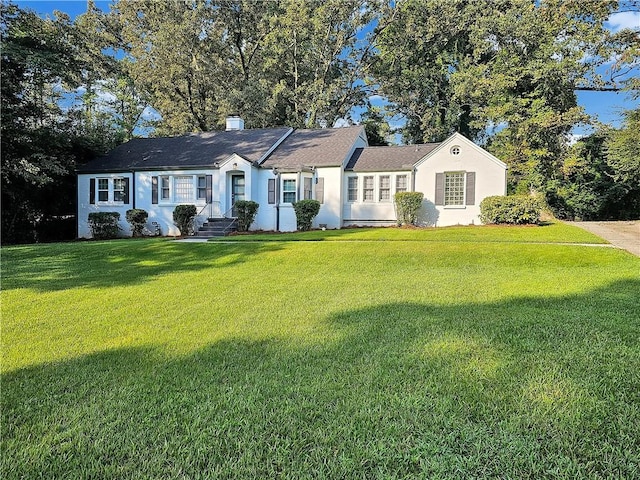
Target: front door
<point x="237" y="191"/>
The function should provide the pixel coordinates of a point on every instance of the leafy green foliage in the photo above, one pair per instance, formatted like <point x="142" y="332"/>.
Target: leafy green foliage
<point x="43" y="63"/>
<point x="501" y="72"/>
<point x="183" y="216"/>
<point x="376" y="127"/>
<point x="137" y="218"/>
<point x="104" y="225"/>
<point x="408" y="204"/>
<point x="623" y="157"/>
<point x="511" y="209"/>
<point x="306" y="211"/>
<point x="246" y="213"/>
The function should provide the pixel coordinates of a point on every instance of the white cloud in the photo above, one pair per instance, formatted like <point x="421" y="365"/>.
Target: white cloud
<point x="620" y="20"/>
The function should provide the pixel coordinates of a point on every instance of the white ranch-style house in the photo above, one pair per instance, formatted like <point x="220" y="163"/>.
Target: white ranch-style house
<point x="354" y="183"/>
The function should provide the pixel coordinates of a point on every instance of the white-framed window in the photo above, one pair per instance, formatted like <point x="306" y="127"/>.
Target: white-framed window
<point x="455" y="150"/>
<point x="352" y="189"/>
<point x="118" y="189"/>
<point x="367" y="189"/>
<point x="202" y="187"/>
<point x="165" y="187"/>
<point x="109" y="190"/>
<point x="289" y="190"/>
<point x="384" y="190"/>
<point x="454" y="187"/>
<point x="103" y="189"/>
<point x="401" y="183"/>
<point x="183" y="188"/>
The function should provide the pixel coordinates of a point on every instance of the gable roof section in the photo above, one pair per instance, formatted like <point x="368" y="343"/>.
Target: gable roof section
<point x="327" y="147"/>
<point x="459" y="138"/>
<point x="384" y="159"/>
<point x="189" y="151"/>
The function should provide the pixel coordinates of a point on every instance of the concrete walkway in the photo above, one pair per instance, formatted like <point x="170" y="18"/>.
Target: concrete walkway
<point x="625" y="235"/>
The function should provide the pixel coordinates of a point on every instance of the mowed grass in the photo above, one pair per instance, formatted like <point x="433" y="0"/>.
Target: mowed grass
<point x="363" y="359"/>
<point x="551" y="232"/>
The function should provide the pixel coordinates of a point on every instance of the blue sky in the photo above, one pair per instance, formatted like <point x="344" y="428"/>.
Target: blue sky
<point x="605" y="106"/>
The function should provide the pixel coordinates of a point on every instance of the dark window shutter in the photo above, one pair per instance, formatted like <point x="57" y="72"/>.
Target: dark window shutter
<point x="154" y="190"/>
<point x="209" y="181"/>
<point x="439" y="200"/>
<point x="92" y="190"/>
<point x="471" y="188"/>
<point x="126" y="191"/>
<point x="320" y="189"/>
<point x="272" y="191"/>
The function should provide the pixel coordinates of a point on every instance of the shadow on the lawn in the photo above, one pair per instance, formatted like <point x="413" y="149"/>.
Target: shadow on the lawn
<point x="113" y="263"/>
<point x="512" y="389"/>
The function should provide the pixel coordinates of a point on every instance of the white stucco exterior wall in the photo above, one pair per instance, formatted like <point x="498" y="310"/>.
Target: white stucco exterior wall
<point x="490" y="180"/>
<point x="85" y="207"/>
<point x="331" y="209"/>
<point x="376" y="212"/>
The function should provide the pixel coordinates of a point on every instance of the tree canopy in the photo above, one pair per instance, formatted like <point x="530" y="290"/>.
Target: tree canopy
<point x="502" y="72"/>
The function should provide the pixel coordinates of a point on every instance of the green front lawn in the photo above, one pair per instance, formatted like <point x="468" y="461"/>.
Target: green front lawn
<point x="554" y="232"/>
<point x="372" y="359"/>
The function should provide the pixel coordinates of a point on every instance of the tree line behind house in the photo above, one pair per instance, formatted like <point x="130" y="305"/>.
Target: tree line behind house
<point x="505" y="74"/>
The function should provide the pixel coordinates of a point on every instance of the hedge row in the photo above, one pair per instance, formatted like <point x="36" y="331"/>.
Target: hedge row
<point x="512" y="209"/>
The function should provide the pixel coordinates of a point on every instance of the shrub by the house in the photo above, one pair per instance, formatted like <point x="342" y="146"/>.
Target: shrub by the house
<point x="511" y="209"/>
<point x="183" y="216"/>
<point x="104" y="225"/>
<point x="246" y="211"/>
<point x="137" y="218"/>
<point x="306" y="211"/>
<point x="408" y="205"/>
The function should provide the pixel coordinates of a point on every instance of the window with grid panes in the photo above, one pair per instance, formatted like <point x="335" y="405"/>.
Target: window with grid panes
<point x="454" y="188"/>
<point x="164" y="187"/>
<point x="367" y="189"/>
<point x="202" y="187"/>
<point x="118" y="189"/>
<point x="352" y="189"/>
<point x="384" y="192"/>
<point x="183" y="189"/>
<point x="401" y="183"/>
<point x="288" y="190"/>
<point x="103" y="189"/>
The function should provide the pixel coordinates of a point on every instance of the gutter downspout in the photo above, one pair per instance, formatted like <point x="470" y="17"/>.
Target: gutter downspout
<point x="77" y="206"/>
<point x="277" y="192"/>
<point x="133" y="189"/>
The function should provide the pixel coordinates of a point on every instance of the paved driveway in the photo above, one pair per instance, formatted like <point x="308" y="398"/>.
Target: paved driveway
<point x="624" y="235"/>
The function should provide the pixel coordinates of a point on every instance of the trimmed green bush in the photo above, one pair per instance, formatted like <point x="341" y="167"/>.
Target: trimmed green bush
<point x="104" y="225"/>
<point x="137" y="218"/>
<point x="511" y="209"/>
<point x="246" y="211"/>
<point x="183" y="216"/>
<point x="408" y="205"/>
<point x="306" y="211"/>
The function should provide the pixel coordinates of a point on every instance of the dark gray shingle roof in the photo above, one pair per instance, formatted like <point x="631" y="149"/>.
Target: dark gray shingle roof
<point x="190" y="151"/>
<point x="380" y="159"/>
<point x="327" y="147"/>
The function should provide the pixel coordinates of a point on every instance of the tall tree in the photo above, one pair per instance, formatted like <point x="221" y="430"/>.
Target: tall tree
<point x="34" y="151"/>
<point x="289" y="62"/>
<point x="43" y="137"/>
<point x="504" y="69"/>
<point x="623" y="156"/>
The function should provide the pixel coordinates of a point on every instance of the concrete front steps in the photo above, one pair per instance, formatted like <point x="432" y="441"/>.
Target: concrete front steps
<point x="216" y="227"/>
